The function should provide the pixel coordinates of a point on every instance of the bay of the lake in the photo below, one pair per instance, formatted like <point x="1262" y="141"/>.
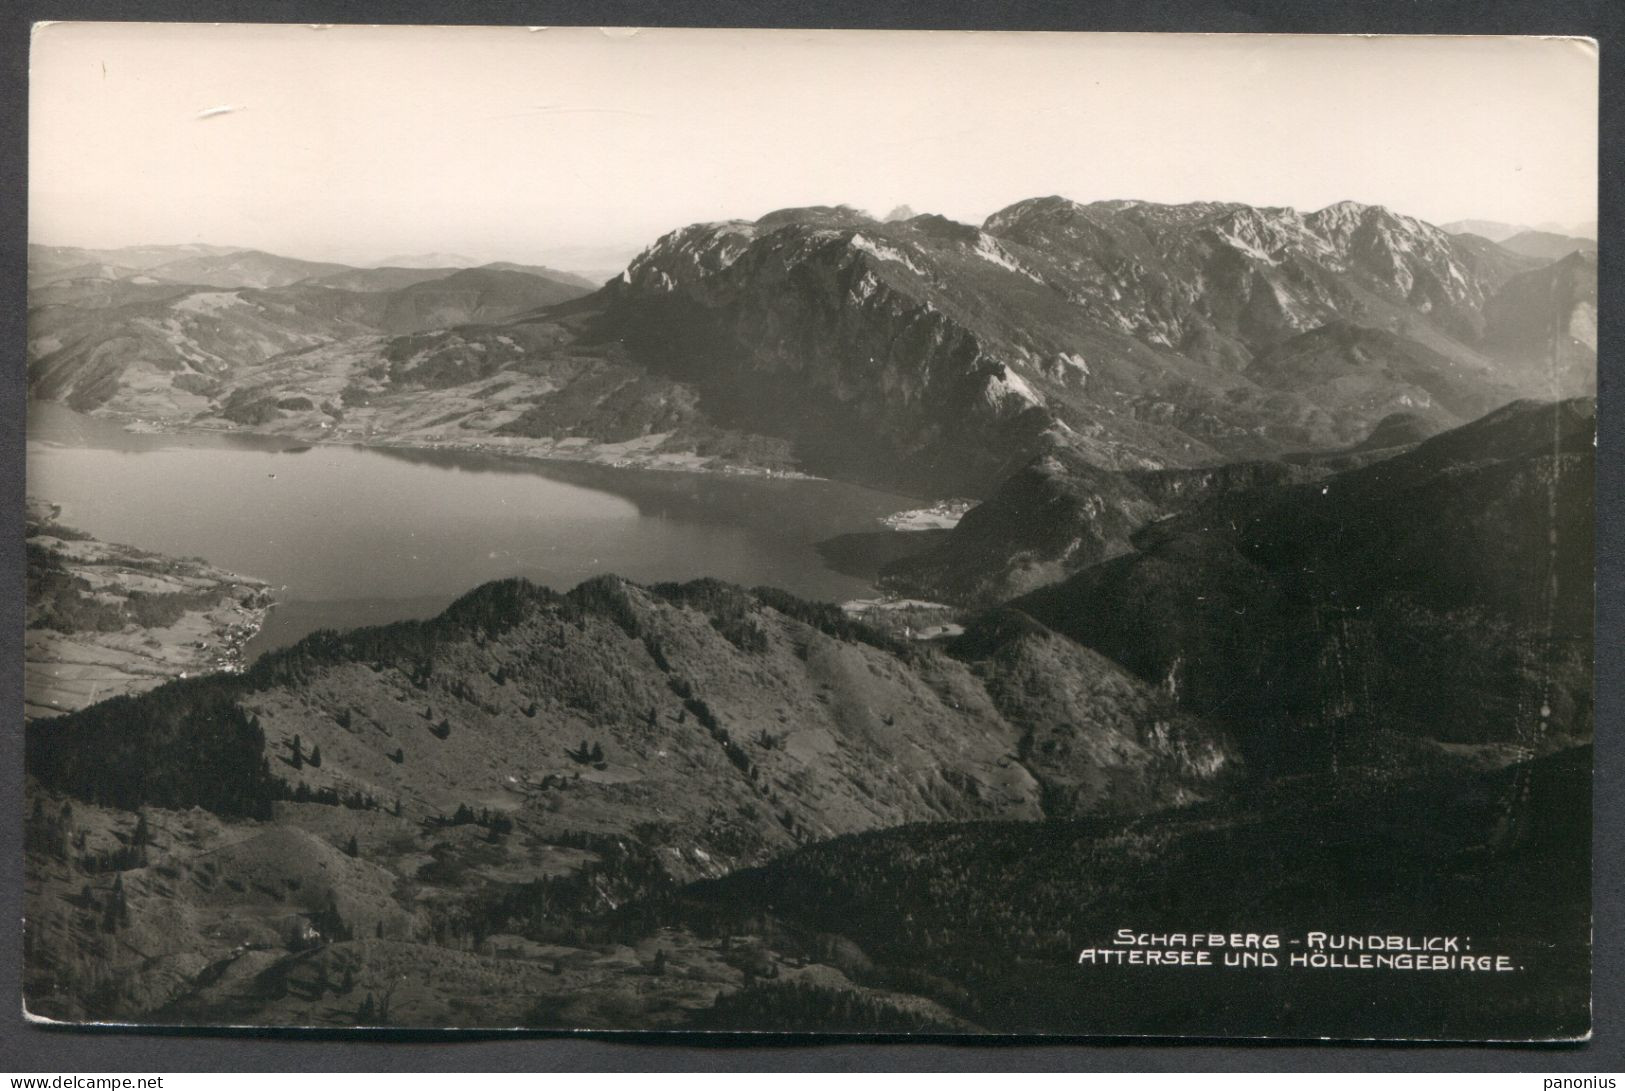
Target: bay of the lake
<point x="351" y="536"/>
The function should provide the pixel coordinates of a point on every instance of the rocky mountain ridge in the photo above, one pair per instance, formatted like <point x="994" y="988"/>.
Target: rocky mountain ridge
<point x="1140" y="335"/>
<point x="920" y="352"/>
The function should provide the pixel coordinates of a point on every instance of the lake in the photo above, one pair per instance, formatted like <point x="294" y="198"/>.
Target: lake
<point x="352" y="536"/>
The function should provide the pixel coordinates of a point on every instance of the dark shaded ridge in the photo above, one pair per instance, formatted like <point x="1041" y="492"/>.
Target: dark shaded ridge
<point x="1445" y="594"/>
<point x="492" y="609"/>
<point x="832" y="621"/>
<point x="184" y="744"/>
<point x="1057" y="515"/>
<point x="1502" y="859"/>
<point x="991" y="632"/>
<point x="189" y="743"/>
<point x="791" y="334"/>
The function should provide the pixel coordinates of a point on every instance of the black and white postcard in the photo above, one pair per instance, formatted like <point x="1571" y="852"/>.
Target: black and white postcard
<point x="815" y="532"/>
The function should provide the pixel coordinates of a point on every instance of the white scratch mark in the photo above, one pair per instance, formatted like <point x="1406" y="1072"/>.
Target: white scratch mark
<point x="216" y="111"/>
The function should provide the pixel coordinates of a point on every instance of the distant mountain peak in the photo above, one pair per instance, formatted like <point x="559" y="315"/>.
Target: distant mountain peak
<point x="931" y="353"/>
<point x="244" y="269"/>
<point x="1547" y="245"/>
<point x="1343" y="216"/>
<point x="1050" y="206"/>
<point x="817" y="216"/>
<point x="1348" y="207"/>
<point x="1493" y="230"/>
<point x="430" y="260"/>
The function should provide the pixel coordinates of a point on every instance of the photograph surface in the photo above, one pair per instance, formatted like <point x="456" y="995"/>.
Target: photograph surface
<point x="815" y="532"/>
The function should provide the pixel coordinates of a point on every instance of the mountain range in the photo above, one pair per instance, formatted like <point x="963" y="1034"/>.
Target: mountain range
<point x="1548" y="245"/>
<point x="1496" y="231"/>
<point x="919" y="352"/>
<point x="157" y="342"/>
<point x="1271" y="607"/>
<point x="1292" y="701"/>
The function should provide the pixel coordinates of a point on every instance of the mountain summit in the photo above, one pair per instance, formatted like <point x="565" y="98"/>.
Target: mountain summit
<point x="916" y="351"/>
<point x="1141" y="335"/>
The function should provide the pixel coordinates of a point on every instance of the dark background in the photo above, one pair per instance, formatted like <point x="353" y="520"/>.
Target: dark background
<point x="25" y="1048"/>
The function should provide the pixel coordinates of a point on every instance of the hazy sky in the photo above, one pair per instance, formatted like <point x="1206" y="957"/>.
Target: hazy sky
<point x="354" y="143"/>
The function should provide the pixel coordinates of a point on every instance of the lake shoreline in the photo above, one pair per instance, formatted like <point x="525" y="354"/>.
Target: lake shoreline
<point x="354" y="533"/>
<point x="68" y="670"/>
<point x="614" y="456"/>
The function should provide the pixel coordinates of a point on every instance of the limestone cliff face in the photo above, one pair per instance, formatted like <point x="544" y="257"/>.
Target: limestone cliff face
<point x="918" y="352"/>
<point x="1139" y="336"/>
<point x="852" y="338"/>
<point x="1213" y="273"/>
